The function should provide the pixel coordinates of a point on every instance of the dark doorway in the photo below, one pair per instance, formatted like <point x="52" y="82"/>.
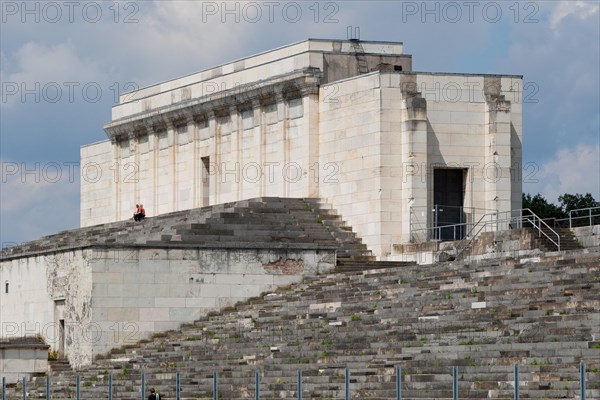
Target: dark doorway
<point x="61" y="337"/>
<point x="448" y="196"/>
<point x="205" y="181"/>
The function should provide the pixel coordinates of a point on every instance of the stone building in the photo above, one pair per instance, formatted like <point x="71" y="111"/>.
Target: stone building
<point x="396" y="152"/>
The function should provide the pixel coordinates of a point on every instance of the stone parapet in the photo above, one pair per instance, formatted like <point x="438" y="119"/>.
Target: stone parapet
<point x="22" y="356"/>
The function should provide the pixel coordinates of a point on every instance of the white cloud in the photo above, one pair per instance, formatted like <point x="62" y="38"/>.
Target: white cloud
<point x="580" y="9"/>
<point x="572" y="170"/>
<point x="172" y="38"/>
<point x="57" y="63"/>
<point x="44" y="71"/>
<point x="36" y="200"/>
<point x="562" y="74"/>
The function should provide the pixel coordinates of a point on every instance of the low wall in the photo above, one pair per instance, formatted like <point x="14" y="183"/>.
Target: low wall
<point x="513" y="243"/>
<point x="588" y="236"/>
<point x="87" y="301"/>
<point x="22" y="359"/>
<point x="137" y="292"/>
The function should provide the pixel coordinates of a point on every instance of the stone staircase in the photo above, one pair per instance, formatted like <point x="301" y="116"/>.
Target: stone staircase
<point x="264" y="222"/>
<point x="59" y="365"/>
<point x="484" y="317"/>
<point x="568" y="241"/>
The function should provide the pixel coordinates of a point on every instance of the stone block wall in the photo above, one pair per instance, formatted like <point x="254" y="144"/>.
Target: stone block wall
<point x="97" y="192"/>
<point x="138" y="292"/>
<point x="44" y="289"/>
<point x="588" y="236"/>
<point x="22" y="357"/>
<point x="107" y="297"/>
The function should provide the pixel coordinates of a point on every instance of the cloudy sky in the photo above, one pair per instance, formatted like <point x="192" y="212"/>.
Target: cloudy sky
<point x="63" y="63"/>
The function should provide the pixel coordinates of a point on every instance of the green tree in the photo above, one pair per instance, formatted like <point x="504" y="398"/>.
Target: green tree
<point x="576" y="201"/>
<point x="541" y="207"/>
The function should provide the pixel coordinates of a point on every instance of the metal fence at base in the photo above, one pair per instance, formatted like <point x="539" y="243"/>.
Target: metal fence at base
<point x="176" y="395"/>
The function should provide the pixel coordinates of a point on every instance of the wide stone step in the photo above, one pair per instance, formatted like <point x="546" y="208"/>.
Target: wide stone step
<point x="483" y="318"/>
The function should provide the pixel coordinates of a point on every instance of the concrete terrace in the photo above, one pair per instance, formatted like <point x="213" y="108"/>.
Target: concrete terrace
<point x="542" y="314"/>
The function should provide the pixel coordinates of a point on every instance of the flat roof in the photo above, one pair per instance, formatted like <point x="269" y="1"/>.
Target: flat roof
<point x="308" y="47"/>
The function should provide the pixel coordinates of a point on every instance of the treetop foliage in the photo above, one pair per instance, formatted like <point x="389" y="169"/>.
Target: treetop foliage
<point x="543" y="209"/>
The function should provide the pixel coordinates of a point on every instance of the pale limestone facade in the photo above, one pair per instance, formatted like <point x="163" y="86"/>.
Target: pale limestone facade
<point x="87" y="300"/>
<point x="345" y="121"/>
<point x="21" y="358"/>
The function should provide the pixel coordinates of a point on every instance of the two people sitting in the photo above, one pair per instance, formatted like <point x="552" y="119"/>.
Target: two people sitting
<point x="140" y="213"/>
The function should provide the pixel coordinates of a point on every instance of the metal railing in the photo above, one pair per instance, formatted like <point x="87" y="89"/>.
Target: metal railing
<point x="467" y="230"/>
<point x="580" y="217"/>
<point x="298" y="392"/>
<point x="442" y="228"/>
<point x="506" y="220"/>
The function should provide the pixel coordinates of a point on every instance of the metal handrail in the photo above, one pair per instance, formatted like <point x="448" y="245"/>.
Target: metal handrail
<point x="416" y="235"/>
<point x="455" y="226"/>
<point x="539" y="228"/>
<point x="416" y="219"/>
<point x="590" y="215"/>
<point x="524" y="215"/>
<point x="518" y="220"/>
<point x="472" y="236"/>
<point x="440" y="227"/>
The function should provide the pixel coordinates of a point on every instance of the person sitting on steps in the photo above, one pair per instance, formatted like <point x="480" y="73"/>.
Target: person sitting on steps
<point x="140" y="213"/>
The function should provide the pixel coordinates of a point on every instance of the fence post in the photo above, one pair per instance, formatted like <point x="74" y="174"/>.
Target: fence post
<point x="410" y="228"/>
<point x="582" y="380"/>
<point x="215" y="385"/>
<point x="143" y="384"/>
<point x="48" y="395"/>
<point x="570" y="221"/>
<point x="110" y="387"/>
<point x="347" y="384"/>
<point x="435" y="222"/>
<point x="455" y="383"/>
<point x="24" y="389"/>
<point x="299" y="384"/>
<point x="516" y="382"/>
<point x="177" y="385"/>
<point x="257" y="380"/>
<point x="398" y="382"/>
<point x="78" y="387"/>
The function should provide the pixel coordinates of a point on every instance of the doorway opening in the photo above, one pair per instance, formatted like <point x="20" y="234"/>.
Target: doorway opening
<point x="205" y="181"/>
<point x="61" y="337"/>
<point x="448" y="196"/>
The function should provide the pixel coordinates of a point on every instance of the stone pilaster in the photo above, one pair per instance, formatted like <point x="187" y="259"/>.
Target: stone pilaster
<point x="172" y="143"/>
<point x="196" y="172"/>
<point x="134" y="149"/>
<point x="213" y="184"/>
<point x="236" y="131"/>
<point x="265" y="101"/>
<point x="116" y="187"/>
<point x="498" y="158"/>
<point x="283" y="112"/>
<point x="496" y="171"/>
<point x="153" y="150"/>
<point x="310" y="105"/>
<point x="258" y="141"/>
<point x="415" y="180"/>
